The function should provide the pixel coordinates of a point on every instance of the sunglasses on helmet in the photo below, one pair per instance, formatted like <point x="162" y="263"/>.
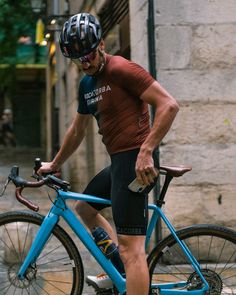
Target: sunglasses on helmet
<point x="86" y="58"/>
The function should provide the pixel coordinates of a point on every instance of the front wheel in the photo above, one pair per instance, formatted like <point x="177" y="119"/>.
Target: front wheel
<point x="214" y="247"/>
<point x="58" y="270"/>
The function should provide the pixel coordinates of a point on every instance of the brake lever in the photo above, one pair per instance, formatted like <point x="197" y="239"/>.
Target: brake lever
<point x="37" y="166"/>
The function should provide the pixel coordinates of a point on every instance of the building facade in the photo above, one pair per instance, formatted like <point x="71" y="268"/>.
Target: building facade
<point x="196" y="62"/>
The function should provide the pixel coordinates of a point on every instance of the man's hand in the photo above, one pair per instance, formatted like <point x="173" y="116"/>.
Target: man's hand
<point x="145" y="170"/>
<point x="47" y="167"/>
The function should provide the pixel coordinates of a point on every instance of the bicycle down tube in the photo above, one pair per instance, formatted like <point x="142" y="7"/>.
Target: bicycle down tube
<point x="60" y="209"/>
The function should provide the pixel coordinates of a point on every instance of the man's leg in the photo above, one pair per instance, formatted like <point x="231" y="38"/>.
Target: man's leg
<point x="92" y="218"/>
<point x="132" y="251"/>
<point x="130" y="214"/>
<point x="99" y="186"/>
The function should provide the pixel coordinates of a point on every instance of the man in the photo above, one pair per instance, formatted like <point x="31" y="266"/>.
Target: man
<point x="7" y="128"/>
<point x="117" y="93"/>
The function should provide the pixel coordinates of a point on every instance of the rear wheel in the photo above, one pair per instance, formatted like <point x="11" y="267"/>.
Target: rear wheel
<point x="214" y="247"/>
<point x="58" y="270"/>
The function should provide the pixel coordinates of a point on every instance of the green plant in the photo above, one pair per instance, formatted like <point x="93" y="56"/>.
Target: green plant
<point x="16" y="20"/>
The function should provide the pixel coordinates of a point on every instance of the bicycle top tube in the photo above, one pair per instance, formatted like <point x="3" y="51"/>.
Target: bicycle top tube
<point x="69" y="195"/>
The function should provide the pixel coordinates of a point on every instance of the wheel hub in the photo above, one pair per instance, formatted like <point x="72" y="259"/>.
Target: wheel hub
<point x="212" y="278"/>
<point x="26" y="281"/>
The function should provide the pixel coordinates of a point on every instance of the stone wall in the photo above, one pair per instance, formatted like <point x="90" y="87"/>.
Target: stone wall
<point x="196" y="63"/>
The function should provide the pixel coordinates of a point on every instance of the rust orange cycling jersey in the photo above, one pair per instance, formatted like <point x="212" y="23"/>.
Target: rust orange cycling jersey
<point x="113" y="98"/>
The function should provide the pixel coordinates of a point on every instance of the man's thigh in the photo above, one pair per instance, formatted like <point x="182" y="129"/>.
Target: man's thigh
<point x="100" y="186"/>
<point x="129" y="209"/>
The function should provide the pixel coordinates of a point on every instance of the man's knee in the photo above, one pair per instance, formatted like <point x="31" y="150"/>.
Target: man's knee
<point x="132" y="249"/>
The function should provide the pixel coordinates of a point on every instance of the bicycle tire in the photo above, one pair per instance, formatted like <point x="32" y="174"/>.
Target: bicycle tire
<point x="58" y="269"/>
<point x="213" y="246"/>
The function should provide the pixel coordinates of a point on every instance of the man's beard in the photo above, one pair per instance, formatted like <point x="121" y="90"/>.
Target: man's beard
<point x="102" y="63"/>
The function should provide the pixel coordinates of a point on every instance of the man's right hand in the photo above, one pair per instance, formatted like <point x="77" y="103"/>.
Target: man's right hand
<point x="47" y="167"/>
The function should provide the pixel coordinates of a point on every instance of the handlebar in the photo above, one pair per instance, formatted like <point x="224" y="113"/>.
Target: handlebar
<point x="50" y="180"/>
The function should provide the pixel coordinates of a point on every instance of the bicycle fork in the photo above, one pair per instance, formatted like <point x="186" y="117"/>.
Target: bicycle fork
<point x="39" y="242"/>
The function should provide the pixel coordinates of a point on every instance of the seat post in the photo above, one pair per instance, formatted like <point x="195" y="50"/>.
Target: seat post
<point x="160" y="201"/>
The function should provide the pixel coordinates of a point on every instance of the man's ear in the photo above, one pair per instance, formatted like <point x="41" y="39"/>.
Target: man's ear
<point x="102" y="45"/>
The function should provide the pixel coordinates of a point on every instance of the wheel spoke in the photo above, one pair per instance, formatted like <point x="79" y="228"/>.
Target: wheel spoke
<point x="24" y="245"/>
<point x="228" y="262"/>
<point x="215" y="249"/>
<point x="58" y="269"/>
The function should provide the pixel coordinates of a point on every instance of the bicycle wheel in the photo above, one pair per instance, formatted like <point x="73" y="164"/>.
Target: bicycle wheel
<point x="214" y="247"/>
<point x="58" y="270"/>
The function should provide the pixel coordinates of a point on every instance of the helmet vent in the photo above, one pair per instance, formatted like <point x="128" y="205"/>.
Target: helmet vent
<point x="82" y="32"/>
<point x="74" y="18"/>
<point x="73" y="29"/>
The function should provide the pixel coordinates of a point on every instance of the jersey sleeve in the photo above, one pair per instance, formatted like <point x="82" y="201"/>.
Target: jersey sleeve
<point x="134" y="78"/>
<point x="82" y="107"/>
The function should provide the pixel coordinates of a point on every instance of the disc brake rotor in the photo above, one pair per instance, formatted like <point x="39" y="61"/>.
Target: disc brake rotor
<point x="21" y="283"/>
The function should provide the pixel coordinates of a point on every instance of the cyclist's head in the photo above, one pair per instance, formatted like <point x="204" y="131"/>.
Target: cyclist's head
<point x="80" y="35"/>
<point x="7" y="112"/>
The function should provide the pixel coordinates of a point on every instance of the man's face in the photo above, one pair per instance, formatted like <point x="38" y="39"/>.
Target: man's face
<point x="90" y="63"/>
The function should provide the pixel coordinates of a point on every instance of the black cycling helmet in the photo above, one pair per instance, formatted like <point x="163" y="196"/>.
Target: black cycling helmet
<point x="80" y="35"/>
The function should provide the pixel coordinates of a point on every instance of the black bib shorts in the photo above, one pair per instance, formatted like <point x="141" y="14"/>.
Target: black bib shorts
<point x="129" y="209"/>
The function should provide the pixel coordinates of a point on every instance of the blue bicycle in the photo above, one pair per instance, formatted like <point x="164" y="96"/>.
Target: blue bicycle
<point x="37" y="256"/>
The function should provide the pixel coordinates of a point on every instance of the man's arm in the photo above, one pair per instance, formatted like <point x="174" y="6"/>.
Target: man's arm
<point x="166" y="109"/>
<point x="73" y="137"/>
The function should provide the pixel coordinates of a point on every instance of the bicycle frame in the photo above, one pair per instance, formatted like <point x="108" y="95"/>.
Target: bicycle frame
<point x="59" y="208"/>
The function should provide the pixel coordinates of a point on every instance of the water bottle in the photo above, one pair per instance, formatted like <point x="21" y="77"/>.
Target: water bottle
<point x="108" y="248"/>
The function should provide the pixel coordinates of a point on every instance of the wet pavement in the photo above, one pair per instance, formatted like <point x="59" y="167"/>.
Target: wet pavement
<point x="24" y="158"/>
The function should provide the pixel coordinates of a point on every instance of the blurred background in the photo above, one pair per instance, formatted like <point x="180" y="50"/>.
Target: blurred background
<point x="188" y="45"/>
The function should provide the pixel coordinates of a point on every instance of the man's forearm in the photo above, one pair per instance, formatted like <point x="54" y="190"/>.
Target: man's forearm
<point x="162" y="122"/>
<point x="70" y="143"/>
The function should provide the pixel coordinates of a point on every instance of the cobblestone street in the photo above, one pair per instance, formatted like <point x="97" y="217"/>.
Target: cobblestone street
<point x="24" y="158"/>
